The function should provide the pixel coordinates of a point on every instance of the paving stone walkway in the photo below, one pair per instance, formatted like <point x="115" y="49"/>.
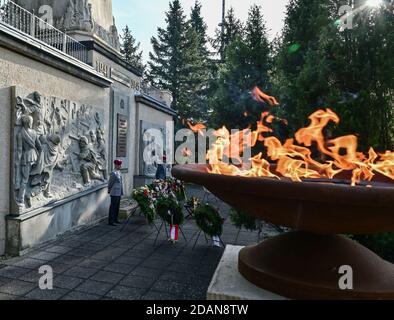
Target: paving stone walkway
<point x="103" y="262"/>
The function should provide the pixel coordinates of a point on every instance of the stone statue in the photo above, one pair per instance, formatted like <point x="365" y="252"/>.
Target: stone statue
<point x="78" y="16"/>
<point x="90" y="162"/>
<point x="28" y="151"/>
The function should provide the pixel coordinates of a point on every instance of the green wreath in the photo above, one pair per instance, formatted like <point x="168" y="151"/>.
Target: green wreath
<point x="242" y="220"/>
<point x="166" y="205"/>
<point x="145" y="206"/>
<point x="209" y="220"/>
<point x="181" y="195"/>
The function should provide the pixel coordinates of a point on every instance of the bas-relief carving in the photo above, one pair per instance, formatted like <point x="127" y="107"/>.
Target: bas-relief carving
<point x="59" y="149"/>
<point x="78" y="16"/>
<point x="152" y="148"/>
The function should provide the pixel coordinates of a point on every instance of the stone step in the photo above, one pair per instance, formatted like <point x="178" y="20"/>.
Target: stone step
<point x="127" y="207"/>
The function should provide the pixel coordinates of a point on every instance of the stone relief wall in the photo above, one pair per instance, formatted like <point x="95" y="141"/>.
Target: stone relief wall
<point x="152" y="147"/>
<point x="59" y="149"/>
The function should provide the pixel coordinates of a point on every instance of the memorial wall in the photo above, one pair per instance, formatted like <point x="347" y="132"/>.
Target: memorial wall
<point x="59" y="149"/>
<point x="63" y="122"/>
<point x="44" y="123"/>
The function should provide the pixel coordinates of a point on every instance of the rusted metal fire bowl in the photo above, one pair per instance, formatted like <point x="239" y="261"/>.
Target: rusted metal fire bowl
<point x="304" y="264"/>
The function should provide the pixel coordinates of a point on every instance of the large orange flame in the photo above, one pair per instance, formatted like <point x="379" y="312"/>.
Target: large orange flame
<point x="295" y="161"/>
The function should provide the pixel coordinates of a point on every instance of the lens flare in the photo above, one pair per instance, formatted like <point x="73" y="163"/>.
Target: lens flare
<point x="374" y="3"/>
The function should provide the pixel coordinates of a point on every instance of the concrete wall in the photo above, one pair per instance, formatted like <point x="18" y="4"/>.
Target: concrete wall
<point x="32" y="75"/>
<point x="128" y="91"/>
<point x="5" y="157"/>
<point x="150" y="115"/>
<point x="25" y="232"/>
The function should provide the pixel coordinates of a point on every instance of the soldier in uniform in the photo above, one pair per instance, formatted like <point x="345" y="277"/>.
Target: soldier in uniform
<point x="115" y="190"/>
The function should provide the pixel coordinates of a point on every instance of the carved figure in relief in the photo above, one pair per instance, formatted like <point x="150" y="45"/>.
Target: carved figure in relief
<point x="102" y="152"/>
<point x="28" y="151"/>
<point x="79" y="15"/>
<point x="49" y="161"/>
<point x="150" y="156"/>
<point x="31" y="107"/>
<point x="57" y="120"/>
<point x="48" y="133"/>
<point x="93" y="138"/>
<point x="90" y="162"/>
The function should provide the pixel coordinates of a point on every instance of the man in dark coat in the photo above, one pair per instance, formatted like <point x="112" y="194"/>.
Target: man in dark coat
<point x="161" y="169"/>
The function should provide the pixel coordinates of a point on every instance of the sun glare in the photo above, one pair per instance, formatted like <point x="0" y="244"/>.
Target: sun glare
<point x="374" y="3"/>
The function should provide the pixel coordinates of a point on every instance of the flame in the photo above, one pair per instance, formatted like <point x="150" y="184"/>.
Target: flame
<point x="262" y="97"/>
<point x="294" y="158"/>
<point x="196" y="128"/>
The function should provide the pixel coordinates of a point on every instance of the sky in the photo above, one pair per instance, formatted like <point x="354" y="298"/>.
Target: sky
<point x="145" y="16"/>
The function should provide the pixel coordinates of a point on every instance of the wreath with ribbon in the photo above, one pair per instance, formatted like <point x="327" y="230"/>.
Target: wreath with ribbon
<point x="209" y="220"/>
<point x="145" y="198"/>
<point x="170" y="210"/>
<point x="169" y="192"/>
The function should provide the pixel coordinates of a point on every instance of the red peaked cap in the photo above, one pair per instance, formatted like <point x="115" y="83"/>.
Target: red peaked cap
<point x="118" y="162"/>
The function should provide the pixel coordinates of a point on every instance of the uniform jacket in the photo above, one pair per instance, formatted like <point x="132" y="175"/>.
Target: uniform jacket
<point x="115" y="184"/>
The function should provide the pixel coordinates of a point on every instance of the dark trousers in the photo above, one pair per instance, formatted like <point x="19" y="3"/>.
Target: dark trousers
<point x="114" y="209"/>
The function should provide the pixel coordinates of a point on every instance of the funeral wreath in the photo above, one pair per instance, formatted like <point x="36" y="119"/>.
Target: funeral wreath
<point x="209" y="220"/>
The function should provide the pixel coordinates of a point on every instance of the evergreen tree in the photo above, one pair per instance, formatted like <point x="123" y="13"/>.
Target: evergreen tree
<point x="298" y="83"/>
<point x="131" y="50"/>
<point x="350" y="71"/>
<point x="197" y="22"/>
<point x="167" y="65"/>
<point x="233" y="27"/>
<point x="198" y="71"/>
<point x="247" y="65"/>
<point x="363" y="73"/>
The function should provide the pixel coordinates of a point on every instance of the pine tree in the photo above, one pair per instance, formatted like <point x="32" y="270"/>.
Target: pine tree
<point x="233" y="27"/>
<point x="167" y="61"/>
<point x="363" y="73"/>
<point x="197" y="22"/>
<point x="247" y="65"/>
<point x="299" y="67"/>
<point x="131" y="50"/>
<point x="198" y="71"/>
<point x="318" y="66"/>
